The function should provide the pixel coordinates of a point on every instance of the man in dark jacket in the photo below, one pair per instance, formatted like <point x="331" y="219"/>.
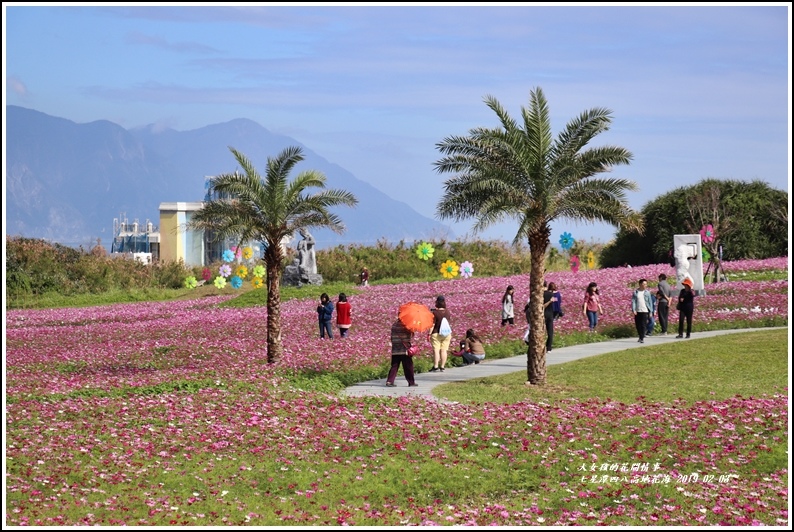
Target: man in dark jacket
<point x="548" y="313"/>
<point x="663" y="296"/>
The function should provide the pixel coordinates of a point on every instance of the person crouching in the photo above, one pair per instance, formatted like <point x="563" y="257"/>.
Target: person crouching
<point x="471" y="348"/>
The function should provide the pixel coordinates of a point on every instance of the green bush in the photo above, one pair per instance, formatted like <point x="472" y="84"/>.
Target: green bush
<point x="399" y="261"/>
<point x="38" y="272"/>
<point x="35" y="268"/>
<point x="169" y="274"/>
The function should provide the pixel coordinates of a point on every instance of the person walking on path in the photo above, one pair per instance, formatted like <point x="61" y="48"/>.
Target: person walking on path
<point x="651" y="314"/>
<point x="686" y="307"/>
<point x="641" y="305"/>
<point x="508" y="314"/>
<point x="440" y="338"/>
<point x="325" y="312"/>
<point x="401" y="339"/>
<point x="663" y="296"/>
<point x="344" y="317"/>
<point x="471" y="348"/>
<point x="548" y="313"/>
<point x="592" y="306"/>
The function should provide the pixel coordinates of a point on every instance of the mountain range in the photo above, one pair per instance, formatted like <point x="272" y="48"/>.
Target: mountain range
<point x="66" y="182"/>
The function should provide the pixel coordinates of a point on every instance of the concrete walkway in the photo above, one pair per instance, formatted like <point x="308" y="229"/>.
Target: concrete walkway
<point x="487" y="368"/>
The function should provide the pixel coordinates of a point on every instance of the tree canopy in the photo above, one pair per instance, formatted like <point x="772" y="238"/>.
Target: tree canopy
<point x="754" y="214"/>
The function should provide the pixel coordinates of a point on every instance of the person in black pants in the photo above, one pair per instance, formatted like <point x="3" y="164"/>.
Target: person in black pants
<point x="663" y="296"/>
<point x="641" y="305"/>
<point x="548" y="313"/>
<point x="686" y="306"/>
<point x="401" y="339"/>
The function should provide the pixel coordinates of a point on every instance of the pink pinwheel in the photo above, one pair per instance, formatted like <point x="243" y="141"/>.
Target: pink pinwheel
<point x="575" y="263"/>
<point x="707" y="234"/>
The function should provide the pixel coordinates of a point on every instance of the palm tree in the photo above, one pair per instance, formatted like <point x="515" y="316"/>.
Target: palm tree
<point x="268" y="210"/>
<point x="518" y="171"/>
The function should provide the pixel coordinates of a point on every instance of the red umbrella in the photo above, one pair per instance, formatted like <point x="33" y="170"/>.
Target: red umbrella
<point x="416" y="317"/>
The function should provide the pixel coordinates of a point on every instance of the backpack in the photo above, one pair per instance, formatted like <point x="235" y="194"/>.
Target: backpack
<point x="444" y="329"/>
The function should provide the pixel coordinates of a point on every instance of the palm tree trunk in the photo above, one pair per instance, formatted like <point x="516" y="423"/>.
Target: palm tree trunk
<point x="536" y="352"/>
<point x="273" y="260"/>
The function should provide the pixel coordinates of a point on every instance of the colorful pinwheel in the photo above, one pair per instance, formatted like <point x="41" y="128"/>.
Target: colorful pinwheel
<point x="590" y="260"/>
<point x="449" y="269"/>
<point x="575" y="264"/>
<point x="466" y="269"/>
<point x="228" y="255"/>
<point x="705" y="254"/>
<point x="425" y="251"/>
<point x="248" y="252"/>
<point x="566" y="241"/>
<point x="220" y="282"/>
<point x="241" y="271"/>
<point x="707" y="234"/>
<point x="259" y="271"/>
<point x="236" y="282"/>
<point x="206" y="274"/>
<point x="190" y="282"/>
<point x="237" y="252"/>
<point x="225" y="270"/>
<point x="257" y="282"/>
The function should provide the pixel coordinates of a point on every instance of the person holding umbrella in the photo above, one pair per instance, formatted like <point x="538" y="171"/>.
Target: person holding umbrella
<point x="401" y="346"/>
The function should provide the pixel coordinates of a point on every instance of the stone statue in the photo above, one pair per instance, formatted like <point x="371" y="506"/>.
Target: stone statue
<point x="303" y="270"/>
<point x="294" y="275"/>
<point x="682" y="264"/>
<point x="306" y="255"/>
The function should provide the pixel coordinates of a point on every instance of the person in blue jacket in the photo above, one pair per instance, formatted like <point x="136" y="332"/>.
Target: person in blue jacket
<point x="325" y="312"/>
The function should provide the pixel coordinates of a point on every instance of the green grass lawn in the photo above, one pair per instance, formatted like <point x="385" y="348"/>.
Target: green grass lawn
<point x="746" y="364"/>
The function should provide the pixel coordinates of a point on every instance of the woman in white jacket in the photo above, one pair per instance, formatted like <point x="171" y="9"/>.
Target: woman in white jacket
<point x="508" y="313"/>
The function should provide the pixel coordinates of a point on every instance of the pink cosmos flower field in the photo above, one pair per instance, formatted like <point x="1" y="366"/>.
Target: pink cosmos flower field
<point x="237" y="448"/>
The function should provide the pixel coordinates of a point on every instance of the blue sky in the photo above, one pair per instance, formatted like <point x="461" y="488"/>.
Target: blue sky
<point x="695" y="91"/>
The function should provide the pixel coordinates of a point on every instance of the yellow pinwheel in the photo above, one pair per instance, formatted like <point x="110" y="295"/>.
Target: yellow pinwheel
<point x="449" y="269"/>
<point x="590" y="260"/>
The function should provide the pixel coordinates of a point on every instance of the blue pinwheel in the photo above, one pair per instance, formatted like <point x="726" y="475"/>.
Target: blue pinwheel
<point x="566" y="241"/>
<point x="228" y="255"/>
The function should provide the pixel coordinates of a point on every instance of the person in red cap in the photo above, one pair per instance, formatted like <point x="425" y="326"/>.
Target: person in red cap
<point x="685" y="307"/>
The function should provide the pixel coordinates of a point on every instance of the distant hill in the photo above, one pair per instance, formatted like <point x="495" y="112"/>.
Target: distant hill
<point x="66" y="182"/>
